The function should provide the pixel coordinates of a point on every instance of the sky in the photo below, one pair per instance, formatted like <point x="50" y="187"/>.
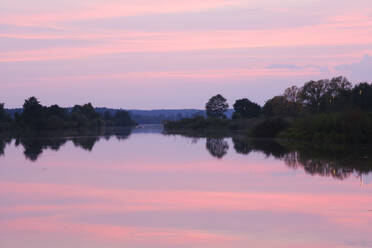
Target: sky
<point x="148" y="54"/>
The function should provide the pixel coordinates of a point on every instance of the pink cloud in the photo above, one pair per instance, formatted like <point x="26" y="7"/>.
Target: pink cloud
<point x="113" y="9"/>
<point x="114" y="42"/>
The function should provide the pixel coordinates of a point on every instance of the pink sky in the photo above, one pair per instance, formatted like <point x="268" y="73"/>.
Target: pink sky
<point x="159" y="54"/>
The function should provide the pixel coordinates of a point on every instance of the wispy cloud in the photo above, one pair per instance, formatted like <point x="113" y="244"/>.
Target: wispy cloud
<point x="109" y="9"/>
<point x="166" y="41"/>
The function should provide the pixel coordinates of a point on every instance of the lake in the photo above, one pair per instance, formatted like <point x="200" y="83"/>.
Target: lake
<point x="141" y="188"/>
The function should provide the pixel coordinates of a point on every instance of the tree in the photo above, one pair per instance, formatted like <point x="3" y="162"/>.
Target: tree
<point x="362" y="96"/>
<point x="56" y="110"/>
<point x="33" y="113"/>
<point x="5" y="119"/>
<point x="2" y="112"/>
<point x="122" y="118"/>
<point x="107" y="115"/>
<point x="279" y="106"/>
<point x="216" y="107"/>
<point x="293" y="101"/>
<point x="312" y="95"/>
<point x="292" y="94"/>
<point x="326" y="95"/>
<point x="338" y="96"/>
<point x="244" y="108"/>
<point x="32" y="108"/>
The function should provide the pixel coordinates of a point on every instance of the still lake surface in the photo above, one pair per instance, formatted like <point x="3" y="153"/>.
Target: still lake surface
<point x="142" y="188"/>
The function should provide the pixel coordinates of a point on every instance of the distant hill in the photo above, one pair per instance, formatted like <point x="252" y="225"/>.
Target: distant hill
<point x="11" y="112"/>
<point x="155" y="116"/>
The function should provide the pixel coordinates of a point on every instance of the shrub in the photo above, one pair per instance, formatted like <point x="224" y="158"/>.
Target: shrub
<point x="269" y="127"/>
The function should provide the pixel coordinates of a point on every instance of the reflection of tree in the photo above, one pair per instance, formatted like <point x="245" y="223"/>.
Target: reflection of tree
<point x="337" y="161"/>
<point x="3" y="143"/>
<point x="217" y="147"/>
<point x="87" y="143"/>
<point x="331" y="161"/>
<point x="86" y="139"/>
<point x="242" y="146"/>
<point x="34" y="146"/>
<point x="268" y="147"/>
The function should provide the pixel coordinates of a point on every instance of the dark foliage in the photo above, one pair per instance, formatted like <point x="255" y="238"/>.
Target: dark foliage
<point x="35" y="116"/>
<point x="244" y="108"/>
<point x="362" y="96"/>
<point x="197" y="123"/>
<point x="353" y="126"/>
<point x="269" y="127"/>
<point x="216" y="107"/>
<point x="5" y="119"/>
<point x="279" y="106"/>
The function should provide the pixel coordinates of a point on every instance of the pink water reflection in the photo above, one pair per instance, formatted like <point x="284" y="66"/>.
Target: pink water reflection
<point x="163" y="191"/>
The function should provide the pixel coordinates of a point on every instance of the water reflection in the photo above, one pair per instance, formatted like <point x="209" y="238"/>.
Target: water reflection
<point x="162" y="191"/>
<point x="316" y="159"/>
<point x="217" y="147"/>
<point x="3" y="144"/>
<point x="267" y="146"/>
<point x="35" y="144"/>
<point x="335" y="161"/>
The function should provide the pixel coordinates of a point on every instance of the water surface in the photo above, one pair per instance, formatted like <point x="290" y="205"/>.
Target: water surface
<point x="141" y="188"/>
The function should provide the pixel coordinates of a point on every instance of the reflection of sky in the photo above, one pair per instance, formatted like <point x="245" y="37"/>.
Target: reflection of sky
<point x="167" y="191"/>
<point x="367" y="179"/>
<point x="142" y="54"/>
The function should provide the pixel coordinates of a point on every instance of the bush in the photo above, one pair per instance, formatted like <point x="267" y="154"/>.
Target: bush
<point x="269" y="127"/>
<point x="344" y="127"/>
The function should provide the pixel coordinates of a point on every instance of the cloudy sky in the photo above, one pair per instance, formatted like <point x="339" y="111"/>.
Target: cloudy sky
<point x="177" y="53"/>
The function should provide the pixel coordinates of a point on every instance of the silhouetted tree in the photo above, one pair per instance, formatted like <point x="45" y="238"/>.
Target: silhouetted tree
<point x="56" y="110"/>
<point x="122" y="118"/>
<point x="312" y="95"/>
<point x="32" y="108"/>
<point x="279" y="106"/>
<point x="216" y="107"/>
<point x="5" y="119"/>
<point x="107" y="115"/>
<point x="293" y="103"/>
<point x="338" y="94"/>
<point x="326" y="95"/>
<point x="362" y="96"/>
<point x="86" y="116"/>
<point x="33" y="113"/>
<point x="244" y="108"/>
<point x="2" y="112"/>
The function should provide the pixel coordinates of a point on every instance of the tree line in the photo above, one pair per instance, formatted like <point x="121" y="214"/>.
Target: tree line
<point x="322" y="96"/>
<point x="327" y="109"/>
<point x="35" y="116"/>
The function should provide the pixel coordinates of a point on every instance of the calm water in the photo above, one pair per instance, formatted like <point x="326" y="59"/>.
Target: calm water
<point x="146" y="189"/>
